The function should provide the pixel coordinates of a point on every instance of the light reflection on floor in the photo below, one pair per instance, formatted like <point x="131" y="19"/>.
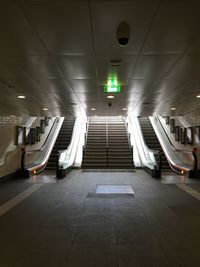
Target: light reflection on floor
<point x="170" y="178"/>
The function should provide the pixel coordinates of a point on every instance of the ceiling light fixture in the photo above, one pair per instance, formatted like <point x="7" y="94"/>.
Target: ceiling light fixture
<point x="21" y="96"/>
<point x="93" y="109"/>
<point x="198" y="96"/>
<point x="110" y="96"/>
<point x="124" y="109"/>
<point x="173" y="108"/>
<point x="45" y="109"/>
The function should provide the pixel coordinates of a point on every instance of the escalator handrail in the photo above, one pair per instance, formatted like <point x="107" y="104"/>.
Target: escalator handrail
<point x="40" y="149"/>
<point x="42" y="165"/>
<point x="173" y="147"/>
<point x="149" y="151"/>
<point x="173" y="165"/>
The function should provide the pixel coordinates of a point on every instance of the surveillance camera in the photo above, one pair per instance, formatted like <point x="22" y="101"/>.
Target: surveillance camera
<point x="109" y="104"/>
<point x="123" y="33"/>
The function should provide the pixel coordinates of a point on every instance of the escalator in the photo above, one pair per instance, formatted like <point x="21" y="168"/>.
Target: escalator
<point x="62" y="142"/>
<point x="152" y="142"/>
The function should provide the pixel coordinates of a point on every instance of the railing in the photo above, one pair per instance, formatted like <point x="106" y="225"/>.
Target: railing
<point x="128" y="134"/>
<point x="86" y="134"/>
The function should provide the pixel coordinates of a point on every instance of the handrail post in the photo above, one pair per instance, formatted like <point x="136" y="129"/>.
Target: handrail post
<point x="107" y="140"/>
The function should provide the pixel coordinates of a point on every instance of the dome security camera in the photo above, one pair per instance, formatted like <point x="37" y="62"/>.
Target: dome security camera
<point x="123" y="33"/>
<point x="109" y="104"/>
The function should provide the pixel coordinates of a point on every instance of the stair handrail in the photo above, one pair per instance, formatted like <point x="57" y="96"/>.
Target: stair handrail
<point x="128" y="134"/>
<point x="107" y="144"/>
<point x="86" y="133"/>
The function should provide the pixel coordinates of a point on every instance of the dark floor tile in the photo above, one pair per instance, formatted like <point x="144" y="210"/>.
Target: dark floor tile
<point x="62" y="220"/>
<point x="9" y="254"/>
<point x="92" y="256"/>
<point x="97" y="209"/>
<point x="97" y="220"/>
<point x="95" y="235"/>
<point x="54" y="235"/>
<point x="184" y="254"/>
<point x="130" y="219"/>
<point x="134" y="235"/>
<point x="44" y="255"/>
<point x="141" y="255"/>
<point x="17" y="235"/>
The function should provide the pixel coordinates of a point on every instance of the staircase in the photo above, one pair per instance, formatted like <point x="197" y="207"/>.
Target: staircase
<point x="107" y="144"/>
<point x="62" y="142"/>
<point x="152" y="142"/>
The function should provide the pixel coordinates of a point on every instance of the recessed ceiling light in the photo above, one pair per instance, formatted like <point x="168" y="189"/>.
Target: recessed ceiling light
<point x="110" y="96"/>
<point x="21" y="96"/>
<point x="124" y="109"/>
<point x="93" y="109"/>
<point x="198" y="96"/>
<point x="173" y="108"/>
<point x="45" y="109"/>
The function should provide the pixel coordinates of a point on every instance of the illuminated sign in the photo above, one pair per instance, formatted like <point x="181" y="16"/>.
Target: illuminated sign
<point x="112" y="87"/>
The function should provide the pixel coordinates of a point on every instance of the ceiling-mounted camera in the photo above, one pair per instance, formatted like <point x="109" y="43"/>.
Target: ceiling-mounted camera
<point x="109" y="104"/>
<point x="123" y="33"/>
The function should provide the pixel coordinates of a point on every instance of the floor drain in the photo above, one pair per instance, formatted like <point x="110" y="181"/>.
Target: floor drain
<point x="114" y="189"/>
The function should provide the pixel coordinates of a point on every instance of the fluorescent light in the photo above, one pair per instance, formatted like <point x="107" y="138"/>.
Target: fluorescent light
<point x="198" y="96"/>
<point x="21" y="96"/>
<point x="124" y="109"/>
<point x="93" y="109"/>
<point x="173" y="108"/>
<point x="110" y="96"/>
<point x="45" y="109"/>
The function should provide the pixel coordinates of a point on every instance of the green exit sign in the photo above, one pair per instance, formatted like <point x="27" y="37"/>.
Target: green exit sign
<point x="112" y="87"/>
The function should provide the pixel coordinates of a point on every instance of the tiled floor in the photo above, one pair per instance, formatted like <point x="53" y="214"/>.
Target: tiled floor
<point x="67" y="224"/>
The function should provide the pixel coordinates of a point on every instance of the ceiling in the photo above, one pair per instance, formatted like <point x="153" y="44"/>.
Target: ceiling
<point x="58" y="54"/>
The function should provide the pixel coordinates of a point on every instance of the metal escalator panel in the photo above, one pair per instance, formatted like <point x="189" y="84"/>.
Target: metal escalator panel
<point x="152" y="141"/>
<point x="62" y="141"/>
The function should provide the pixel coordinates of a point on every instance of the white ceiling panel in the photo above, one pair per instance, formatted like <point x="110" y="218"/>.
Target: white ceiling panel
<point x="130" y="96"/>
<point x="186" y="69"/>
<point x="84" y="86"/>
<point x="175" y="27"/>
<point x="16" y="34"/>
<point x="88" y="97"/>
<point x="55" y="85"/>
<point x="114" y="67"/>
<point x="25" y="67"/>
<point x="107" y="15"/>
<point x="64" y="27"/>
<point x="77" y="67"/>
<point x="153" y="66"/>
<point x="139" y="86"/>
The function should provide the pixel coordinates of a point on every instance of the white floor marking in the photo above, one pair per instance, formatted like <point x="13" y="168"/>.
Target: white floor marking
<point x="19" y="198"/>
<point x="189" y="190"/>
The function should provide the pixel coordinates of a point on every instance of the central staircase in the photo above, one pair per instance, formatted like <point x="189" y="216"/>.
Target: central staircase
<point x="107" y="144"/>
